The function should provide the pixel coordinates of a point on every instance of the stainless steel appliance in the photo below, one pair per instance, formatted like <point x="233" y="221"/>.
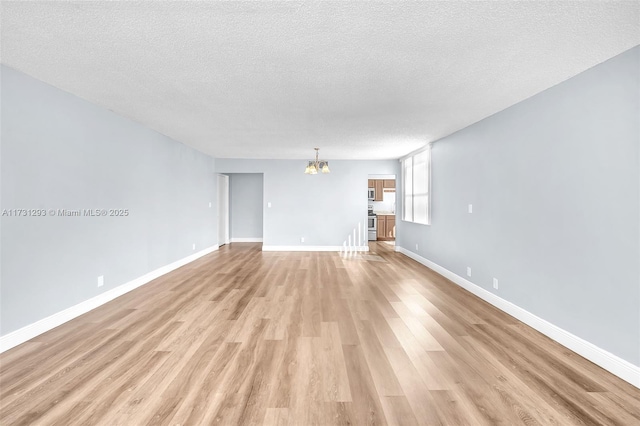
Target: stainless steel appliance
<point x="371" y="194"/>
<point x="372" y="224"/>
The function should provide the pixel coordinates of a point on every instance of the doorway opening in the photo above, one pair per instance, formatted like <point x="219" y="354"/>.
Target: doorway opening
<point x="223" y="210"/>
<point x="381" y="214"/>
<point x="246" y="207"/>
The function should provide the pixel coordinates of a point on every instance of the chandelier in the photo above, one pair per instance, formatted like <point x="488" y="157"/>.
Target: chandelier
<point x="318" y="165"/>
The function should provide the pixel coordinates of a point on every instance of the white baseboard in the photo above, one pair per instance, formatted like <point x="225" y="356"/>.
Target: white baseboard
<point x="313" y="248"/>
<point x="30" y="331"/>
<point x="610" y="362"/>
<point x="246" y="240"/>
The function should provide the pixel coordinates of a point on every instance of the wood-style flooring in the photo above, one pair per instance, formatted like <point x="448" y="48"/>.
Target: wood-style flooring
<point x="245" y="337"/>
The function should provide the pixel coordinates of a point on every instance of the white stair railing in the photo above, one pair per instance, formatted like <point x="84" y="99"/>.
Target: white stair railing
<point x="357" y="240"/>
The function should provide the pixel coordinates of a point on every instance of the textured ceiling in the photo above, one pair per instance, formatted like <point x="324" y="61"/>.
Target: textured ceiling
<point x="273" y="80"/>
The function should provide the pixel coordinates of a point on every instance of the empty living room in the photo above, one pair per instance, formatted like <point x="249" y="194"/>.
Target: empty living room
<point x="185" y="237"/>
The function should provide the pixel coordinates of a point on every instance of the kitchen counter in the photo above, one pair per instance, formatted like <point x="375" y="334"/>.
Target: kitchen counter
<point x="385" y="213"/>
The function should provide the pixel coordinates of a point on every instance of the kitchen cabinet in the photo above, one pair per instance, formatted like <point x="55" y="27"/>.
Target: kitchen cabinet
<point x="390" y="227"/>
<point x="379" y="185"/>
<point x="382" y="227"/>
<point x="386" y="227"/>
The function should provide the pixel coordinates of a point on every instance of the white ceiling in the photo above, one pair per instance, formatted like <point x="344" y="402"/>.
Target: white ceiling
<point x="273" y="80"/>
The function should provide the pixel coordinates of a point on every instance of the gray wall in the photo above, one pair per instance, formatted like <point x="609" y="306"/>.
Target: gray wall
<point x="245" y="205"/>
<point x="555" y="187"/>
<point x="60" y="152"/>
<point x="324" y="209"/>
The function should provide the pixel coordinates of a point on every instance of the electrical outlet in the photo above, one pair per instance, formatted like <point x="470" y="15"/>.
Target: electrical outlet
<point x="269" y="204"/>
<point x="302" y="239"/>
<point x="194" y="246"/>
<point x="495" y="283"/>
<point x="100" y="280"/>
<point x="468" y="271"/>
<point x="470" y="208"/>
<point x="209" y="204"/>
<point x="416" y="247"/>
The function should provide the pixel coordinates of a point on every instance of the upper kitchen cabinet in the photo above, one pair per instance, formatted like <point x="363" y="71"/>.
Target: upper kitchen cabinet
<point x="379" y="185"/>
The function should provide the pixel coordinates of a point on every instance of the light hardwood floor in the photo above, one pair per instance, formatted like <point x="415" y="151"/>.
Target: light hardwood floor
<point x="245" y="337"/>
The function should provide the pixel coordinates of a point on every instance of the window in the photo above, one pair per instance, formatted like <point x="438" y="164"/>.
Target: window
<point x="415" y="187"/>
